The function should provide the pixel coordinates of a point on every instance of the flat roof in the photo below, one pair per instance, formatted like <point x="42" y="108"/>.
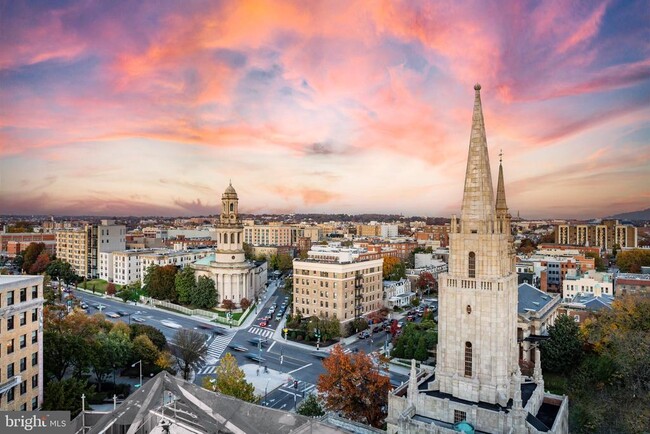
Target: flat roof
<point x="11" y="280"/>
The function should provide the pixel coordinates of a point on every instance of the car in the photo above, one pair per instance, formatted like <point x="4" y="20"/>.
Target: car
<point x="83" y="305"/>
<point x="255" y="357"/>
<point x="138" y="319"/>
<point x="410" y="318"/>
<point x="278" y="317"/>
<point x="238" y="348"/>
<point x="377" y="329"/>
<point x="123" y="313"/>
<point x="219" y="331"/>
<point x="363" y="335"/>
<point x="112" y="314"/>
<point x="263" y="324"/>
<point x="95" y="305"/>
<point x="256" y="341"/>
<point x="171" y="324"/>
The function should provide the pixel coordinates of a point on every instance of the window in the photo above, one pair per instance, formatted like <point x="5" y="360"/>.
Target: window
<point x="35" y="336"/>
<point x="23" y="318"/>
<point x="34" y="315"/>
<point x="10" y="298"/>
<point x="10" y="347"/>
<point x="23" y="295"/>
<point x="35" y="358"/>
<point x="34" y="381"/>
<point x="471" y="266"/>
<point x="23" y="387"/>
<point x="10" y="370"/>
<point x="34" y="292"/>
<point x="23" y="407"/>
<point x="459" y="416"/>
<point x="10" y="323"/>
<point x="35" y="403"/>
<point x="23" y="341"/>
<point x="468" y="359"/>
<point x="23" y="364"/>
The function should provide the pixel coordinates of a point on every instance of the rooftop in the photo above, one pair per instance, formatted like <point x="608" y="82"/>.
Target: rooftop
<point x="532" y="299"/>
<point x="11" y="280"/>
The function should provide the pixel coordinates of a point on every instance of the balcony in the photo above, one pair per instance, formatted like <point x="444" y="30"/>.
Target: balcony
<point x="13" y="381"/>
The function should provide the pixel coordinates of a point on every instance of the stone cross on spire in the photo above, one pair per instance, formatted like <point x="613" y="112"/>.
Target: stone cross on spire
<point x="477" y="212"/>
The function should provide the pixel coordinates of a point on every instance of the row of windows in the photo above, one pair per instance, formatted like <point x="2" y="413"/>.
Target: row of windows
<point x="336" y="275"/>
<point x="364" y="309"/>
<point x="22" y="367"/>
<point x="22" y="295"/>
<point x="22" y="319"/>
<point x="11" y="396"/>
<point x="22" y="342"/>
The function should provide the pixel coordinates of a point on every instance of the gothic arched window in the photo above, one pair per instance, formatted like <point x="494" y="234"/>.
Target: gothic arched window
<point x="232" y="238"/>
<point x="471" y="266"/>
<point x="232" y="207"/>
<point x="468" y="359"/>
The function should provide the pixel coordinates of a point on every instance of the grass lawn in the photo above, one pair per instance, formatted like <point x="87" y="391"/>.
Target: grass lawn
<point x="235" y="315"/>
<point x="555" y="383"/>
<point x="100" y="285"/>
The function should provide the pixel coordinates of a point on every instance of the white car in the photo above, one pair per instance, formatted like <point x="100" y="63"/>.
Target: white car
<point x="138" y="319"/>
<point x="112" y="314"/>
<point x="171" y="324"/>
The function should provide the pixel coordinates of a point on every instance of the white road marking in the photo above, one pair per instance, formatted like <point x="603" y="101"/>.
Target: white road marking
<point x="270" y="347"/>
<point x="302" y="367"/>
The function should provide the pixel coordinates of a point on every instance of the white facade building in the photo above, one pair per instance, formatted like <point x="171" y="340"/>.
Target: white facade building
<point x="398" y="293"/>
<point x="592" y="282"/>
<point x="389" y="231"/>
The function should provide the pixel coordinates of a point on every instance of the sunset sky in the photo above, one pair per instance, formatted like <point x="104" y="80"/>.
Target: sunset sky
<point x="150" y="107"/>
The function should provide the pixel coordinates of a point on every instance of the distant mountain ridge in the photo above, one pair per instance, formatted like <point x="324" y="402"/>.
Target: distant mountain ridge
<point x="633" y="215"/>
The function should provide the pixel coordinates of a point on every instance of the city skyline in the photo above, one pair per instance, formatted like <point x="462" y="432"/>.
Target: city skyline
<point x="143" y="109"/>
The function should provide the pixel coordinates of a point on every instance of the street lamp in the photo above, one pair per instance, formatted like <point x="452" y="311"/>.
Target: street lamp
<point x="139" y="362"/>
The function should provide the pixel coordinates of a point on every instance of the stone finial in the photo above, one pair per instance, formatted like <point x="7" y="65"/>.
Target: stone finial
<point x="537" y="371"/>
<point x="477" y="87"/>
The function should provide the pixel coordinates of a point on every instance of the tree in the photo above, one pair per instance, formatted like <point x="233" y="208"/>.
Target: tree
<point x="421" y="352"/>
<point x="31" y="254"/>
<point x="248" y="252"/>
<point x="563" y="349"/>
<point x="65" y="395"/>
<point x="415" y="302"/>
<point x="109" y="350"/>
<point x="284" y="262"/>
<point x="125" y="293"/>
<point x="310" y="406"/>
<point x="205" y="294"/>
<point x="145" y="350"/>
<point x="228" y="304"/>
<point x="154" y="335"/>
<point x="598" y="261"/>
<point x="185" y="281"/>
<point x="631" y="261"/>
<point x="230" y="380"/>
<point x="244" y="303"/>
<point x="110" y="289"/>
<point x="189" y="349"/>
<point x="426" y="282"/>
<point x="353" y="385"/>
<point x="394" y="268"/>
<point x="161" y="282"/>
<point x="527" y="246"/>
<point x="41" y="263"/>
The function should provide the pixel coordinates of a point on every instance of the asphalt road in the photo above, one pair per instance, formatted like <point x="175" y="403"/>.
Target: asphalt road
<point x="299" y="363"/>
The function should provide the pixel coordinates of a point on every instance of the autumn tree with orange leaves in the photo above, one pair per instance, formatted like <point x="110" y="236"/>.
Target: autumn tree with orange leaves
<point x="354" y="386"/>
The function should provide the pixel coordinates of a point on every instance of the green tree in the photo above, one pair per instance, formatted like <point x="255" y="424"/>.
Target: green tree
<point x="109" y="350"/>
<point x="161" y="282"/>
<point x="230" y="380"/>
<point x="310" y="406"/>
<point x="631" y="261"/>
<point x="563" y="349"/>
<point x="185" y="284"/>
<point x="421" y="352"/>
<point x="205" y="294"/>
<point x="145" y="350"/>
<point x="154" y="335"/>
<point x="284" y="262"/>
<point x="125" y="293"/>
<point x="65" y="395"/>
<point x="190" y="349"/>
<point x="248" y="252"/>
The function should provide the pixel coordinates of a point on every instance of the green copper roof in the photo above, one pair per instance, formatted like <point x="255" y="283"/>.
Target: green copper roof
<point x="206" y="260"/>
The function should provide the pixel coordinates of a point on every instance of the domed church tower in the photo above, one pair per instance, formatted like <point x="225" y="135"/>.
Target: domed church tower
<point x="230" y="232"/>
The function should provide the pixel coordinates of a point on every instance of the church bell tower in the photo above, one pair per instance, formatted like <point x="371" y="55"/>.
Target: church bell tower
<point x="230" y="232"/>
<point x="477" y="347"/>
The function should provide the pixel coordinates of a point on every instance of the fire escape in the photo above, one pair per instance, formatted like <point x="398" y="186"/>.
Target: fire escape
<point x="358" y="295"/>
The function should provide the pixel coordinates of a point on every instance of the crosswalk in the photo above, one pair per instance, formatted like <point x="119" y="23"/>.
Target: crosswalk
<point x="302" y="390"/>
<point x="265" y="333"/>
<point x="215" y="350"/>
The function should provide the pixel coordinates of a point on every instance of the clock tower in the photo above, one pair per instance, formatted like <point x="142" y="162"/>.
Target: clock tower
<point x="230" y="232"/>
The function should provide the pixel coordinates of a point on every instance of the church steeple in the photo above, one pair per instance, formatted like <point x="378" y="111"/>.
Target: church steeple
<point x="477" y="212"/>
<point x="501" y="206"/>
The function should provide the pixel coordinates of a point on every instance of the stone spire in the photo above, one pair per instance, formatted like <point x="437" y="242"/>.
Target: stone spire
<point x="477" y="212"/>
<point x="412" y="390"/>
<point x="501" y="205"/>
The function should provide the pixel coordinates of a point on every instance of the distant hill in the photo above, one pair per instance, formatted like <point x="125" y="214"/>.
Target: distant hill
<point x="634" y="215"/>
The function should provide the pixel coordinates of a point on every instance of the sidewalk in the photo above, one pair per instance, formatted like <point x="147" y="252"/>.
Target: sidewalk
<point x="264" y="382"/>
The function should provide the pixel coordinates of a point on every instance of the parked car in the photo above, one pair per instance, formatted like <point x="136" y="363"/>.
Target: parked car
<point x="278" y="317"/>
<point x="363" y="335"/>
